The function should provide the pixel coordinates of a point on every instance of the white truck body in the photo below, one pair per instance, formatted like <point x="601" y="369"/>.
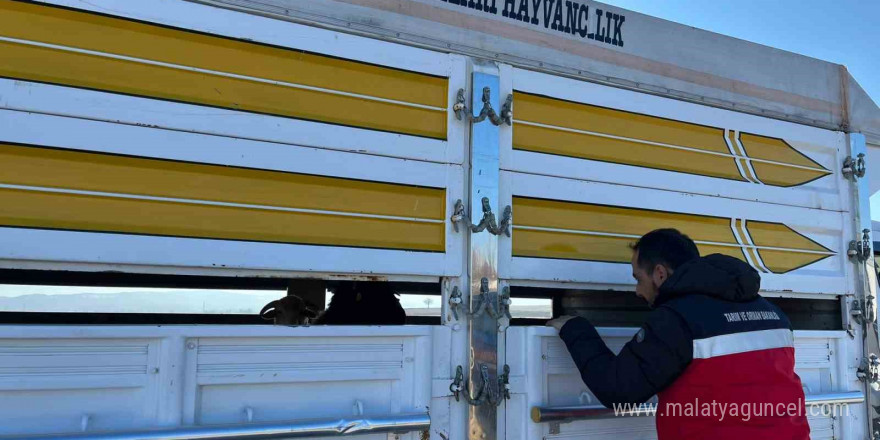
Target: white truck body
<point x="286" y="139"/>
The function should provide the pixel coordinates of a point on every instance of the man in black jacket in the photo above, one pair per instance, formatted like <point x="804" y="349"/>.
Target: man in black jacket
<point x="719" y="357"/>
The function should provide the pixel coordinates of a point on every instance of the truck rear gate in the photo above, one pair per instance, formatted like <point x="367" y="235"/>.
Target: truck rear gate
<point x="176" y="139"/>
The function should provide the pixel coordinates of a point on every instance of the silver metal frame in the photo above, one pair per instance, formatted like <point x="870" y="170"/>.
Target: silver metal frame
<point x="483" y="264"/>
<point x="866" y="286"/>
<point x="402" y="423"/>
<point x="562" y="414"/>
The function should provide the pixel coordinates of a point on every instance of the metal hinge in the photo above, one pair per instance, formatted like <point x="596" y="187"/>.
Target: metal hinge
<point x="854" y="168"/>
<point x="860" y="250"/>
<point x="869" y="371"/>
<point x="455" y="301"/>
<point x="458" y="215"/>
<point x="486" y="303"/>
<point x="488" y="222"/>
<point x="487" y="112"/>
<point x="504" y="383"/>
<point x="504" y="302"/>
<point x="858" y="311"/>
<point x="494" y="395"/>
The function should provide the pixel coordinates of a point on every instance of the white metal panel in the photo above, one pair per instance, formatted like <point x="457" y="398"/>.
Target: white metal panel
<point x="312" y="377"/>
<point x="825" y="147"/>
<point x="118" y="378"/>
<point x="51" y="99"/>
<point x="47" y="249"/>
<point x="830" y="276"/>
<point x="50" y="385"/>
<point x="87" y="104"/>
<point x="553" y="380"/>
<point x="104" y="137"/>
<point x="819" y="362"/>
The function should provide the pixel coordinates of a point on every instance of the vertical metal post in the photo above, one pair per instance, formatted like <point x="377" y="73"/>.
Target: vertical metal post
<point x="866" y="286"/>
<point x="483" y="265"/>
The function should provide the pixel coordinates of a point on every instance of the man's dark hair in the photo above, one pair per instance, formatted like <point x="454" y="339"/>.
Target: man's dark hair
<point x="668" y="247"/>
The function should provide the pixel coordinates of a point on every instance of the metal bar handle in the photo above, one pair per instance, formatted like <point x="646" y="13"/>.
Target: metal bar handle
<point x="402" y="423"/>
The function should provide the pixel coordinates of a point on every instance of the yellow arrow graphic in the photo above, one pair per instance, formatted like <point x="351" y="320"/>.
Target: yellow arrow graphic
<point x="564" y="128"/>
<point x="591" y="232"/>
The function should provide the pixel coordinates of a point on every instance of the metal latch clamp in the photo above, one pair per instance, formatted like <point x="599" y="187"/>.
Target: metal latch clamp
<point x="861" y="249"/>
<point x="486" y="393"/>
<point x="488" y="222"/>
<point x="854" y="168"/>
<point x="487" y="112"/>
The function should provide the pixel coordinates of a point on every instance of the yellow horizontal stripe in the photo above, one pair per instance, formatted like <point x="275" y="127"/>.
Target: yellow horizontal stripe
<point x="777" y="150"/>
<point x="585" y="146"/>
<point x="547" y="244"/>
<point x="124" y="37"/>
<point x="783" y="261"/>
<point x="779" y="175"/>
<point x="780" y="236"/>
<point x="544" y="110"/>
<point x="101" y="214"/>
<point x="617" y="220"/>
<point x="544" y="244"/>
<point x="87" y="31"/>
<point x="44" y="167"/>
<point x="94" y="72"/>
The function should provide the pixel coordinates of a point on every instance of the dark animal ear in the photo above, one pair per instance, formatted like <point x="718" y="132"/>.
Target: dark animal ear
<point x="268" y="312"/>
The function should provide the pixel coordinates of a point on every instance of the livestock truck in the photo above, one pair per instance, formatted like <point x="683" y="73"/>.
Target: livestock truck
<point x="482" y="154"/>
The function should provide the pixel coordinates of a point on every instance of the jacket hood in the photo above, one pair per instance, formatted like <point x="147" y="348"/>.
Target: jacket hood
<point x="719" y="276"/>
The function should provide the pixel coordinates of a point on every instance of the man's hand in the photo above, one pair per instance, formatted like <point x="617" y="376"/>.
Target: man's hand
<point x="557" y="323"/>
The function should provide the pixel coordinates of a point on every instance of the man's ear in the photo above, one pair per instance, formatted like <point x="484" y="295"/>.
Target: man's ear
<point x="660" y="274"/>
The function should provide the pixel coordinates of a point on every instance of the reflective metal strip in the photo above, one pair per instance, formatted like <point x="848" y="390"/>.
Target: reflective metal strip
<point x="483" y="329"/>
<point x="742" y="343"/>
<point x="335" y="427"/>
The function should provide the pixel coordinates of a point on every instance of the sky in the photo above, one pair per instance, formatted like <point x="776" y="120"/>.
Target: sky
<point x="844" y="32"/>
